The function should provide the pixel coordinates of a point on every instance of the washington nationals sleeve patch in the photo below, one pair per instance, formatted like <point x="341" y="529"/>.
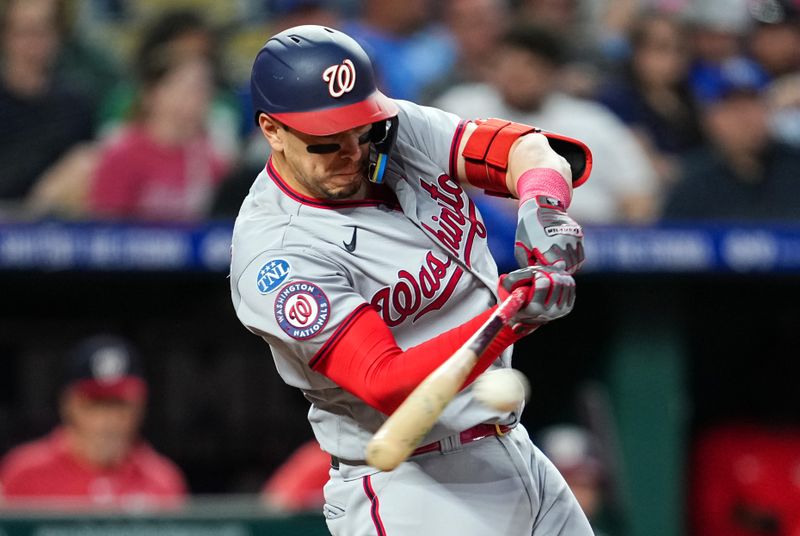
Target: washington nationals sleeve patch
<point x="301" y="309"/>
<point x="271" y="275"/>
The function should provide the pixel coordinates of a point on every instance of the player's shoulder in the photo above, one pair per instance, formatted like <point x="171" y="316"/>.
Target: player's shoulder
<point x="28" y="458"/>
<point x="270" y="228"/>
<point x="262" y="221"/>
<point x="425" y="131"/>
<point x="157" y="468"/>
<point x="290" y="238"/>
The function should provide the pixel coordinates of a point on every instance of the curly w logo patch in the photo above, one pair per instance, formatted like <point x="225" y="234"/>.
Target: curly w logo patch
<point x="341" y="78"/>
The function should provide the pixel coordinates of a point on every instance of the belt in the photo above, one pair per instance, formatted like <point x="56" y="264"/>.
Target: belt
<point x="476" y="433"/>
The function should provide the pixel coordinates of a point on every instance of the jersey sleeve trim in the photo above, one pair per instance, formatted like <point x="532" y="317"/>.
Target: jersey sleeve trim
<point x="293" y="194"/>
<point x="340" y="330"/>
<point x="454" y="145"/>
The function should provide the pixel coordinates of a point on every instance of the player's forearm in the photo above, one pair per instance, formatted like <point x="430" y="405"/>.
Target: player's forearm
<point x="367" y="362"/>
<point x="533" y="152"/>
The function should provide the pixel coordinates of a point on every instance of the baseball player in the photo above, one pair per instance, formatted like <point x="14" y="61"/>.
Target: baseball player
<point x="359" y="258"/>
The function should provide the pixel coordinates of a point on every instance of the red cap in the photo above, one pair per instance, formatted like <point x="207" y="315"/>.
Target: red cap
<point x="107" y="367"/>
<point x="129" y="388"/>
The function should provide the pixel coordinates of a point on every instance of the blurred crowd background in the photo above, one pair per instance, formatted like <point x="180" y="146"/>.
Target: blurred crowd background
<point x="139" y="111"/>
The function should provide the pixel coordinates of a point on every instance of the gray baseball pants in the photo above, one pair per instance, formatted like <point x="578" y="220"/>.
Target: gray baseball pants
<point x="497" y="485"/>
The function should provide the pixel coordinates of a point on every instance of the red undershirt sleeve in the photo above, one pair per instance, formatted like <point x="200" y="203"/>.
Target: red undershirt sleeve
<point x="366" y="361"/>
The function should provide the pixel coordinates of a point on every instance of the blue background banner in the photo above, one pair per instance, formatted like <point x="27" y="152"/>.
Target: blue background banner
<point x="54" y="245"/>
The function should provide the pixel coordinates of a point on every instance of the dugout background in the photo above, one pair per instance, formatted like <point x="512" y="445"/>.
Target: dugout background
<point x="675" y="353"/>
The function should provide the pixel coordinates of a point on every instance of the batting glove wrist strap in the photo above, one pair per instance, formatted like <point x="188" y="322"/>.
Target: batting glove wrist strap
<point x="547" y="236"/>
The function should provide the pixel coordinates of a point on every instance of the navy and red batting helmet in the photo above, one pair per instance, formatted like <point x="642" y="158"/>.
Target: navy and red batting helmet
<point x="317" y="80"/>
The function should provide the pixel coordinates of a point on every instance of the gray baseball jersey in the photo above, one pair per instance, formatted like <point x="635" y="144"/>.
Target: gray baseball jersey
<point x="423" y="263"/>
<point x="302" y="268"/>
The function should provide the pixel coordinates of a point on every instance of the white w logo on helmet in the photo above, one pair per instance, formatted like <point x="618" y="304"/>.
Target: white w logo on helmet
<point x="341" y="78"/>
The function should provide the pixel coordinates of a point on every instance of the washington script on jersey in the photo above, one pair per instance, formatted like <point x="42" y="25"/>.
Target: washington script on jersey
<point x="455" y="226"/>
<point x="451" y="221"/>
<point x="405" y="298"/>
<point x="301" y="309"/>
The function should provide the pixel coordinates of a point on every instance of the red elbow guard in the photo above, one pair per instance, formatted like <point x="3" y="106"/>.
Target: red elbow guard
<point x="486" y="153"/>
<point x="487" y="150"/>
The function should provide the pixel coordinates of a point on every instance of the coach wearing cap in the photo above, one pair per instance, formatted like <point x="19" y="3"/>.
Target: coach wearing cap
<point x="95" y="457"/>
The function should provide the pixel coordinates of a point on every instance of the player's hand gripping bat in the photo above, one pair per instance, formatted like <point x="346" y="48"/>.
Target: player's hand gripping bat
<point x="413" y="419"/>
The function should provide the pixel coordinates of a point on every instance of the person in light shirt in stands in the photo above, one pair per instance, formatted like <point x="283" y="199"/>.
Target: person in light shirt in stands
<point x="95" y="457"/>
<point x="525" y="88"/>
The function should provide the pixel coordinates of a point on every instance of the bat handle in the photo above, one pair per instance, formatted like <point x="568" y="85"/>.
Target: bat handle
<point x="502" y="316"/>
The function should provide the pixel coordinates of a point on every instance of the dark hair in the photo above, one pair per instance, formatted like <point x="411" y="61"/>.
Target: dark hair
<point x="156" y="57"/>
<point x="538" y="41"/>
<point x="153" y="55"/>
<point x="640" y="29"/>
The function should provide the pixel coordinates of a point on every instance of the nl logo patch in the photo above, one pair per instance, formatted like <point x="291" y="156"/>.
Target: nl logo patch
<point x="271" y="275"/>
<point x="301" y="309"/>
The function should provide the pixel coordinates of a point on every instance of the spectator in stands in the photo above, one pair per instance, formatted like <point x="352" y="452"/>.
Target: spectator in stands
<point x="162" y="165"/>
<point x="717" y="31"/>
<point x="85" y="62"/>
<point x="783" y="99"/>
<point x="476" y="50"/>
<point x="592" y="34"/>
<point x="41" y="119"/>
<point x="623" y="183"/>
<point x="290" y="13"/>
<point x="653" y="96"/>
<point x="297" y="484"/>
<point x="95" y="458"/>
<point x="775" y="44"/>
<point x="576" y="454"/>
<point x="569" y="16"/>
<point x="180" y="33"/>
<point x="407" y="50"/>
<point x="742" y="173"/>
<point x="745" y="481"/>
<point x="774" y="41"/>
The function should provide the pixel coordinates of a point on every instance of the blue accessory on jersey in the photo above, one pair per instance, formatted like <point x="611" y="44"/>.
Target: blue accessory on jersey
<point x="320" y="81"/>
<point x="271" y="275"/>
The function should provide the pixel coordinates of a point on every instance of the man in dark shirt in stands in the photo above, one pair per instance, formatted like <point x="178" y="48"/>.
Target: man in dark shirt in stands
<point x="742" y="174"/>
<point x="40" y="119"/>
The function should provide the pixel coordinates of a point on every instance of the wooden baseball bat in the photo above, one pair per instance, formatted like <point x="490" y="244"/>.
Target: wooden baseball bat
<point x="412" y="420"/>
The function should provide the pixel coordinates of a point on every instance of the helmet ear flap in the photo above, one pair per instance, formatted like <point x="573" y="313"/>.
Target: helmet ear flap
<point x="384" y="134"/>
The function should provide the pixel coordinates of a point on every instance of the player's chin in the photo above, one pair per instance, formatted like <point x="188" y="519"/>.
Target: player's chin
<point x="344" y="186"/>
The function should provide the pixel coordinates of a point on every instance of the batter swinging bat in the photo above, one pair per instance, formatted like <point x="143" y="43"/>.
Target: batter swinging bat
<point x="405" y="428"/>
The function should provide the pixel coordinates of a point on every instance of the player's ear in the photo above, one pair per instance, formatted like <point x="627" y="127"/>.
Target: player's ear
<point x="272" y="130"/>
